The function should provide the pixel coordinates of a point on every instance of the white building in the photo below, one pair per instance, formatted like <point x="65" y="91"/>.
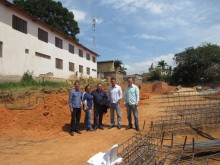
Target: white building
<point x="28" y="44"/>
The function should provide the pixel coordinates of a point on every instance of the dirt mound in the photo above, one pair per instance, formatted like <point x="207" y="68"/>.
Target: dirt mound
<point x="161" y="87"/>
<point x="49" y="117"/>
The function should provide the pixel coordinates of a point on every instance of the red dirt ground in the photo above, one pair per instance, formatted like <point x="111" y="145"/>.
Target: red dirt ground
<point x="40" y="136"/>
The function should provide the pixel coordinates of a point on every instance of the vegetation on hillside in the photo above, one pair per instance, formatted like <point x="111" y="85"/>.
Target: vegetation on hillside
<point x="27" y="82"/>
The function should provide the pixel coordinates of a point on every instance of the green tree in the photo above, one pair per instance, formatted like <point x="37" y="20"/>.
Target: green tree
<point x="118" y="64"/>
<point x="154" y="75"/>
<point x="123" y="69"/>
<point x="195" y="65"/>
<point x="52" y="13"/>
<point x="162" y="64"/>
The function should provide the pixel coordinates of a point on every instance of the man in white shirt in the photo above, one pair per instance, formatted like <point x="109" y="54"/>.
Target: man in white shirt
<point x="131" y="99"/>
<point x="114" y="96"/>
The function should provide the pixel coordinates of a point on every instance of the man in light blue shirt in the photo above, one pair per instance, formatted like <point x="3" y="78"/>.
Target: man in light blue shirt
<point x="114" y="96"/>
<point x="75" y="108"/>
<point x="131" y="99"/>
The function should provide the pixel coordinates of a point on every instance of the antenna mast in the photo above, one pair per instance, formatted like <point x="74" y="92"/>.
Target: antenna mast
<point x="94" y="20"/>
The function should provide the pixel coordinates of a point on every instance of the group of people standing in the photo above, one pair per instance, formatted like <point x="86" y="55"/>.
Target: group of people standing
<point x="99" y="98"/>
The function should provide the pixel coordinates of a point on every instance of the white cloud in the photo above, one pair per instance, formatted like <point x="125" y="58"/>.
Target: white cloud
<point x="151" y="37"/>
<point x="146" y="36"/>
<point x="144" y="65"/>
<point x="80" y="16"/>
<point x="154" y="7"/>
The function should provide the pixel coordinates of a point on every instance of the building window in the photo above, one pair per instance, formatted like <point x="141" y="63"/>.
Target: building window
<point x="71" y="48"/>
<point x="88" y="56"/>
<point x="59" y="63"/>
<point x="58" y="43"/>
<point x="93" y="59"/>
<point x="88" y="71"/>
<point x="80" y="69"/>
<point x="42" y="55"/>
<point x="19" y="24"/>
<point x="80" y="53"/>
<point x="42" y="35"/>
<point x="1" y="48"/>
<point x="27" y="51"/>
<point x="94" y="70"/>
<point x="71" y="66"/>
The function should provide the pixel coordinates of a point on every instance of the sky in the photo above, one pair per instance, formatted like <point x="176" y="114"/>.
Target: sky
<point x="142" y="32"/>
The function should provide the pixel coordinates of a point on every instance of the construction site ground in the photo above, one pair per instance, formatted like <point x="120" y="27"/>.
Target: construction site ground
<point x="41" y="136"/>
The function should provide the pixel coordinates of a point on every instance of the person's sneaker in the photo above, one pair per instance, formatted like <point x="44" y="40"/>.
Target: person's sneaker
<point x="71" y="133"/>
<point x="128" y="127"/>
<point x="137" y="129"/>
<point x="119" y="127"/>
<point x="95" y="128"/>
<point x="100" y="127"/>
<point x="111" y="126"/>
<point x="77" y="131"/>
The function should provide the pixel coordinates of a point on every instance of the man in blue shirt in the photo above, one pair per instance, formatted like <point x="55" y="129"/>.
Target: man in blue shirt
<point x="131" y="99"/>
<point x="99" y="96"/>
<point x="75" y="108"/>
<point x="114" y="96"/>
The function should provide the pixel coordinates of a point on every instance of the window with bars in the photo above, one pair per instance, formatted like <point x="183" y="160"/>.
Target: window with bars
<point x="71" y="48"/>
<point x="93" y="58"/>
<point x="19" y="24"/>
<point x="88" y="71"/>
<point x="80" y="69"/>
<point x="88" y="56"/>
<point x="80" y="53"/>
<point x="59" y="63"/>
<point x="42" y="35"/>
<point x="1" y="48"/>
<point x="71" y="66"/>
<point x="58" y="43"/>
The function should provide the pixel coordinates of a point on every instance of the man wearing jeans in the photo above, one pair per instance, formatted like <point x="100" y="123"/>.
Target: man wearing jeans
<point x="75" y="108"/>
<point x="114" y="96"/>
<point x="131" y="99"/>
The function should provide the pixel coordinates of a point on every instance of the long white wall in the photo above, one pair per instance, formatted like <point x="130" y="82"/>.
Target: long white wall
<point x="15" y="61"/>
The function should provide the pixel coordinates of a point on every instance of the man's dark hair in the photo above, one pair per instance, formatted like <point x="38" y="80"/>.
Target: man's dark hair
<point x="99" y="84"/>
<point x="113" y="78"/>
<point x="76" y="82"/>
<point x="129" y="78"/>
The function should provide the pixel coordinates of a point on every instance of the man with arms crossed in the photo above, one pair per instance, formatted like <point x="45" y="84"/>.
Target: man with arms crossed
<point x="131" y="99"/>
<point x="114" y="96"/>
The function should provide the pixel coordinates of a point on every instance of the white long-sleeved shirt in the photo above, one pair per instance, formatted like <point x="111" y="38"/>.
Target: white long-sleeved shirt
<point x="114" y="93"/>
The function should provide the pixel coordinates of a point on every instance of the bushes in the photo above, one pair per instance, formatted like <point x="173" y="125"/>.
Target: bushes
<point x="27" y="81"/>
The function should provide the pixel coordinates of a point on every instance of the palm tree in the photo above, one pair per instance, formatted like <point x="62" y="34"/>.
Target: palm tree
<point x="162" y="64"/>
<point x="117" y="64"/>
<point x="123" y="69"/>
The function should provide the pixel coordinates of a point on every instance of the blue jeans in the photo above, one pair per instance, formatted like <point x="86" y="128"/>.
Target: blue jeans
<point x="87" y="120"/>
<point x="132" y="108"/>
<point x="115" y="107"/>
